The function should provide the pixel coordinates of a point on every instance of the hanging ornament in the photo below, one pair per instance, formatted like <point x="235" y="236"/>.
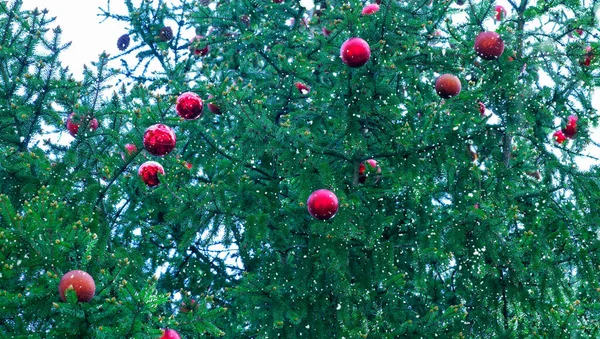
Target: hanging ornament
<point x="159" y="139"/>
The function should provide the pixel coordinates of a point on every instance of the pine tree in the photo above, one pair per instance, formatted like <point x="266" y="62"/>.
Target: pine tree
<point x="473" y="220"/>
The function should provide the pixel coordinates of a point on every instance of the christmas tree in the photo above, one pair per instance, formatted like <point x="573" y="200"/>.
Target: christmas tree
<point x="259" y="169"/>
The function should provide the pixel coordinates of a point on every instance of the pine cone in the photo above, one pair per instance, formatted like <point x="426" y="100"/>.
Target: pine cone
<point x="165" y="34"/>
<point x="205" y="2"/>
<point x="123" y="42"/>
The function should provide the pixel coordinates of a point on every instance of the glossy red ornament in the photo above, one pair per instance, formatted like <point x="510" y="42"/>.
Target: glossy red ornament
<point x="447" y="86"/>
<point x="559" y="137"/>
<point x="170" y="334"/>
<point x="81" y="282"/>
<point x="189" y="106"/>
<point x="482" y="108"/>
<point x="489" y="45"/>
<point x="355" y="52"/>
<point x="370" y="9"/>
<point x="362" y="177"/>
<point x="588" y="56"/>
<point x="195" y="46"/>
<point x="159" y="139"/>
<point x="571" y="128"/>
<point x="322" y="204"/>
<point x="212" y="107"/>
<point x="73" y="123"/>
<point x="148" y="171"/>
<point x="500" y="13"/>
<point x="131" y="148"/>
<point x="303" y="88"/>
<point x="184" y="308"/>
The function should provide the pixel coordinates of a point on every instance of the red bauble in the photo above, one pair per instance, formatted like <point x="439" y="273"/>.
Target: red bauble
<point x="195" y="46"/>
<point x="131" y="148"/>
<point x="559" y="137"/>
<point x="370" y="9"/>
<point x="159" y="139"/>
<point x="481" y="108"/>
<point x="212" y="107"/>
<point x="184" y="308"/>
<point x="362" y="169"/>
<point x="303" y="88"/>
<point x="489" y="45"/>
<point x="447" y="85"/>
<point x="571" y="128"/>
<point x="81" y="282"/>
<point x="500" y="12"/>
<point x="170" y="334"/>
<point x="355" y="52"/>
<point x="189" y="106"/>
<point x="322" y="204"/>
<point x="73" y="123"/>
<point x="148" y="171"/>
<point x="588" y="56"/>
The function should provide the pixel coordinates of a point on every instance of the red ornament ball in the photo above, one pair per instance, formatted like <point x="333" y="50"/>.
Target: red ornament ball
<point x="148" y="171"/>
<point x="213" y="108"/>
<point x="482" y="108"/>
<point x="195" y="46"/>
<point x="571" y="128"/>
<point x="81" y="282"/>
<point x="559" y="137"/>
<point x="500" y="12"/>
<point x="589" y="54"/>
<point x="131" y="148"/>
<point x="303" y="88"/>
<point x="489" y="45"/>
<point x="159" y="139"/>
<point x="189" y="106"/>
<point x="362" y="177"/>
<point x="322" y="204"/>
<point x="170" y="334"/>
<point x="447" y="86"/>
<point x="355" y="52"/>
<point x="184" y="308"/>
<point x="370" y="9"/>
<point x="73" y="123"/>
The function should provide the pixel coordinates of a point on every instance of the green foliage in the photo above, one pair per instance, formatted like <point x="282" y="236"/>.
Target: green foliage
<point x="477" y="226"/>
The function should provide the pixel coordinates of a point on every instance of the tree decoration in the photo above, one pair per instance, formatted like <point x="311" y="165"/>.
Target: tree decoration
<point x="322" y="204"/>
<point x="159" y="139"/>
<point x="559" y="137"/>
<point x="170" y="334"/>
<point x="189" y="106"/>
<point x="355" y="52"/>
<point x="123" y="42"/>
<point x="447" y="85"/>
<point x="212" y="107"/>
<point x="165" y="34"/>
<point x="148" y="172"/>
<point x="500" y="13"/>
<point x="571" y="128"/>
<point x="302" y="87"/>
<point x="74" y="121"/>
<point x="81" y="282"/>
<point x="370" y="9"/>
<point x="362" y="170"/>
<point x="489" y="45"/>
<point x="196" y="48"/>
